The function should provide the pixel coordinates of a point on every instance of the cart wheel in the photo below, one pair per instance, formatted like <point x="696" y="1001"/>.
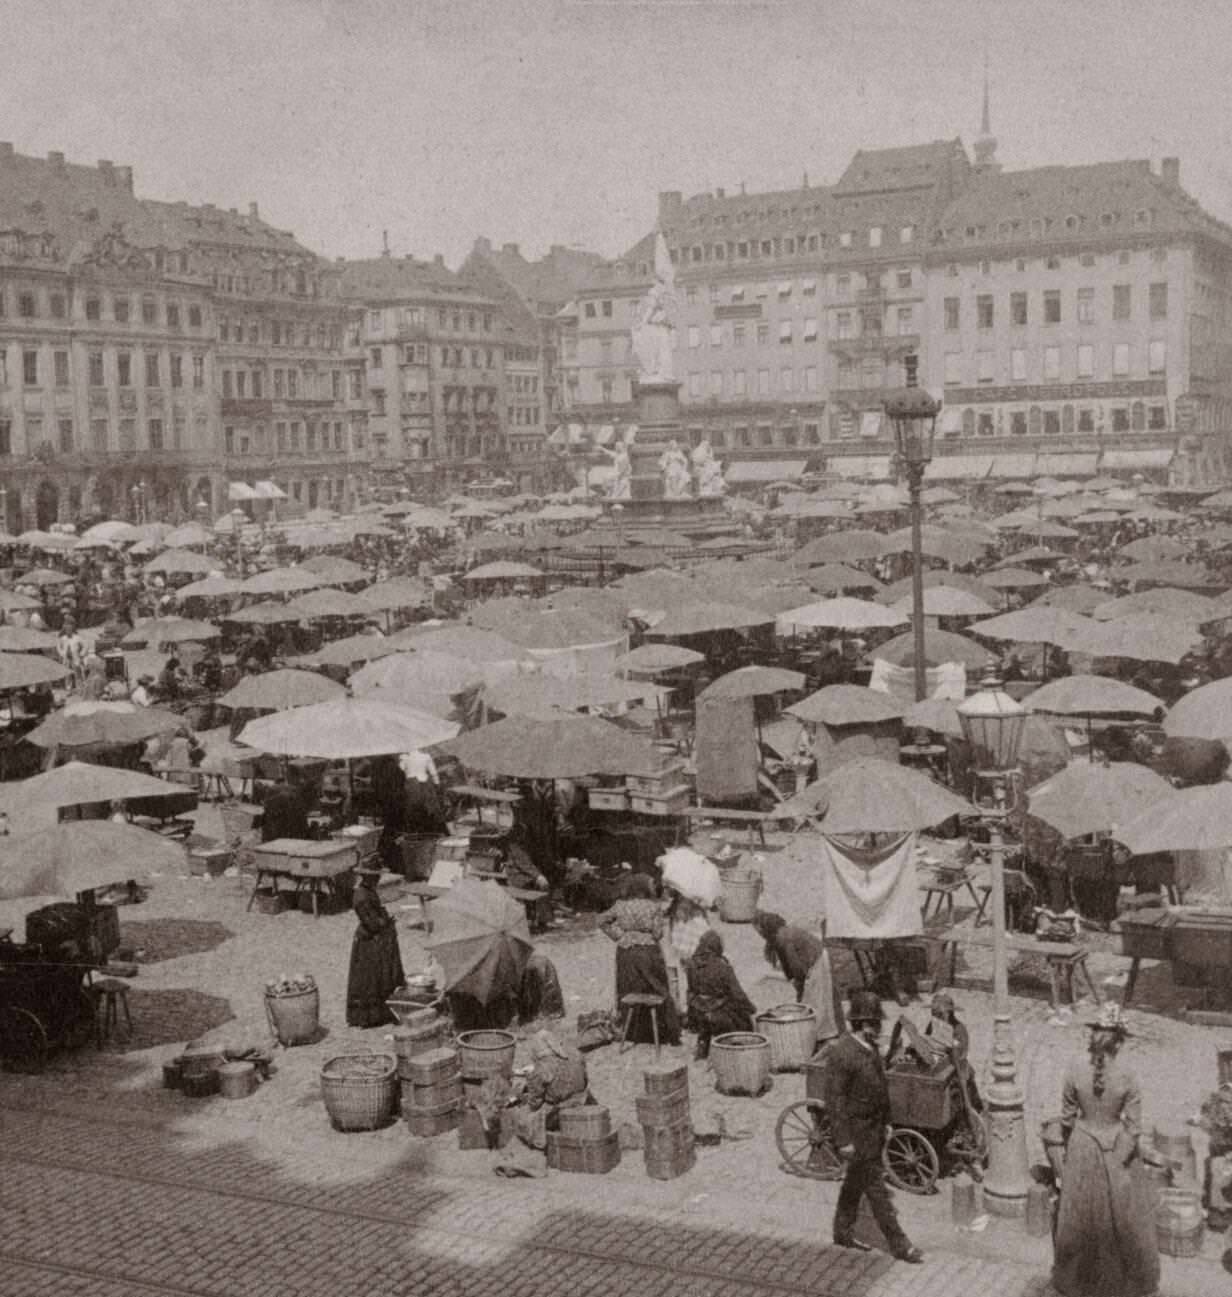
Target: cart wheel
<point x="911" y="1162"/>
<point x="23" y="1041"/>
<point x="806" y="1142"/>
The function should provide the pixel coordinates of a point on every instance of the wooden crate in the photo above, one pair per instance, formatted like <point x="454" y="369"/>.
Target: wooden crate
<point x="672" y="801"/>
<point x="591" y="1121"/>
<point x="663" y="1110"/>
<point x="609" y="799"/>
<point x="584" y="1156"/>
<point x="658" y="783"/>
<point x="666" y="1080"/>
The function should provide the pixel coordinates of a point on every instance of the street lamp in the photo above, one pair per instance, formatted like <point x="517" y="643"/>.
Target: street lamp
<point x="992" y="723"/>
<point x="913" y="415"/>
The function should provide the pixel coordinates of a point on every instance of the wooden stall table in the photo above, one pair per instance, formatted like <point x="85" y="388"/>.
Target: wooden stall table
<point x="754" y="821"/>
<point x="1063" y="959"/>
<point x="1145" y="934"/>
<point x="313" y="866"/>
<point x="493" y="797"/>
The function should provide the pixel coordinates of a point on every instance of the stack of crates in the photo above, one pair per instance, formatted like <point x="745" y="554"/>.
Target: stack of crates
<point x="667" y="1127"/>
<point x="585" y="1143"/>
<point x="432" y="1091"/>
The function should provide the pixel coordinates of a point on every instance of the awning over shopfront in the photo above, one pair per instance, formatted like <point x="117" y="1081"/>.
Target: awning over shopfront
<point x="240" y="491"/>
<point x="1137" y="458"/>
<point x="268" y="491"/>
<point x="765" y="470"/>
<point x="1013" y="466"/>
<point x="955" y="468"/>
<point x="868" y="468"/>
<point x="1066" y="465"/>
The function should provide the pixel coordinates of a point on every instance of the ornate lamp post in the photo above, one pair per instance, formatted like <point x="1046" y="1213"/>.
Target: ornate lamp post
<point x="992" y="723"/>
<point x="913" y="415"/>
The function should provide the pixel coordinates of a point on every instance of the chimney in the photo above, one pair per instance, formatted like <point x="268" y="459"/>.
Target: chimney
<point x="126" y="177"/>
<point x="1170" y="171"/>
<point x="254" y="211"/>
<point x="670" y="203"/>
<point x="56" y="160"/>
<point x="511" y="250"/>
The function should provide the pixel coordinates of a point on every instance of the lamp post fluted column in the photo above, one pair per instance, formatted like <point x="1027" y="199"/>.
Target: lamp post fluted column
<point x="915" y="479"/>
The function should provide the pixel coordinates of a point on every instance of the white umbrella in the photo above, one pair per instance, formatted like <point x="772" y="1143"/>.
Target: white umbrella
<point x="347" y="728"/>
<point x="692" y="875"/>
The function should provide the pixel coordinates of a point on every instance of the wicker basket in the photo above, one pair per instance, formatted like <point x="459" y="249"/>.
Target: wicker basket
<point x="1179" y="1225"/>
<point x="738" y="900"/>
<point x="296" y="1018"/>
<point x="591" y="1121"/>
<point x="791" y="1030"/>
<point x="741" y="1061"/>
<point x="359" y="1090"/>
<point x="485" y="1053"/>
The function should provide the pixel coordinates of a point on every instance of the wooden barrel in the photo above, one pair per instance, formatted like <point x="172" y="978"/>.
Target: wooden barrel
<point x="738" y="900"/>
<point x="791" y="1030"/>
<point x="1179" y="1227"/>
<point x="741" y="1061"/>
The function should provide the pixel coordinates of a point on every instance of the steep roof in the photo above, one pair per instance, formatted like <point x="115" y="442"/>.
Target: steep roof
<point x="398" y="279"/>
<point x="916" y="166"/>
<point x="552" y="280"/>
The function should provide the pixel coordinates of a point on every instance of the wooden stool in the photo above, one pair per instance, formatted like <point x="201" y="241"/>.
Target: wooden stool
<point x="109" y="994"/>
<point x="630" y="1004"/>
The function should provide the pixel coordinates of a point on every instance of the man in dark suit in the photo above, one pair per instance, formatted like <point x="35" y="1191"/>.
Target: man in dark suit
<point x="858" y="1101"/>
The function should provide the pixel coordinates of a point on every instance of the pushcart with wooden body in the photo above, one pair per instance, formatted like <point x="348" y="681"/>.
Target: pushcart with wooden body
<point x="44" y="1005"/>
<point x="933" y="1129"/>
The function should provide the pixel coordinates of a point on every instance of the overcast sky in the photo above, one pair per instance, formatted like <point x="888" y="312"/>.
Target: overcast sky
<point x="557" y="121"/>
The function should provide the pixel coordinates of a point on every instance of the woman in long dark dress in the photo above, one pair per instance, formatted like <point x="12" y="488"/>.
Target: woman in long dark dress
<point x="1105" y="1244"/>
<point x="802" y="958"/>
<point x="717" y="1002"/>
<point x="636" y="925"/>
<point x="376" y="961"/>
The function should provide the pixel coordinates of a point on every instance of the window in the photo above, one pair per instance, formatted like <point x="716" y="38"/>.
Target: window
<point x="173" y="315"/>
<point x="695" y="337"/>
<point x="808" y="288"/>
<point x="1086" y="361"/>
<point x="177" y="370"/>
<point x="588" y="310"/>
<point x="29" y="368"/>
<point x="984" y="366"/>
<point x="1018" y="423"/>
<point x="155" y="430"/>
<point x="763" y="382"/>
<point x="94" y="308"/>
<point x="65" y="429"/>
<point x="984" y="311"/>
<point x="226" y="383"/>
<point x="906" y="234"/>
<point x="844" y="239"/>
<point x="810" y="329"/>
<point x="842" y="286"/>
<point x="763" y="334"/>
<point x="1018" y="308"/>
<point x="149" y="311"/>
<point x="1018" y="365"/>
<point x="151" y="369"/>
<point x="1052" y="423"/>
<point x="198" y="373"/>
<point x="785" y="288"/>
<point x="1157" y="417"/>
<point x="607" y="309"/>
<point x="1086" y="306"/>
<point x="810" y="378"/>
<point x="1120" y="359"/>
<point x="1138" y="416"/>
<point x="738" y="335"/>
<point x="96" y="369"/>
<point x="1157" y="357"/>
<point x="716" y="382"/>
<point x="1121" y="301"/>
<point x="98" y="434"/>
<point x="1086" y="420"/>
<point x="787" y="380"/>
<point x="1120" y="419"/>
<point x="985" y="426"/>
<point x="1158" y="301"/>
<point x="784" y="331"/>
<point x="26" y="306"/>
<point x="695" y="385"/>
<point x="292" y="384"/>
<point x="120" y="309"/>
<point x="716" y="335"/>
<point x="874" y="236"/>
<point x="740" y="379"/>
<point x="1052" y="306"/>
<point x="59" y="306"/>
<point x="842" y="324"/>
<point x="1067" y="420"/>
<point x="968" y="423"/>
<point x="953" y="367"/>
<point x="951" y="314"/>
<point x="906" y="321"/>
<point x="1052" y="364"/>
<point x="59" y="361"/>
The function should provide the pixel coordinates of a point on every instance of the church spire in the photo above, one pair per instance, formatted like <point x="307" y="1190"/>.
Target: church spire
<point x="985" y="147"/>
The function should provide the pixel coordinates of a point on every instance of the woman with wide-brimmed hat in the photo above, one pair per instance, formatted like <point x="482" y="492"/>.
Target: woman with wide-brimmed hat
<point x="1105" y="1242"/>
<point x="376" y="961"/>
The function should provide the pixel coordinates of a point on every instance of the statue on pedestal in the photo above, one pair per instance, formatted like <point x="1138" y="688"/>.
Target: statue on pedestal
<point x="677" y="479"/>
<point x="621" y="485"/>
<point x="652" y="333"/>
<point x="709" y="471"/>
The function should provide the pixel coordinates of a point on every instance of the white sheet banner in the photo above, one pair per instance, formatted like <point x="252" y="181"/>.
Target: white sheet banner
<point x="871" y="891"/>
<point x="949" y="680"/>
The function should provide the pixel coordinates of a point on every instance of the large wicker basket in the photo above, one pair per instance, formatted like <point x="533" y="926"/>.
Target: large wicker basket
<point x="294" y="1018"/>
<point x="791" y="1030"/>
<point x="485" y="1053"/>
<point x="360" y="1090"/>
<point x="741" y="1062"/>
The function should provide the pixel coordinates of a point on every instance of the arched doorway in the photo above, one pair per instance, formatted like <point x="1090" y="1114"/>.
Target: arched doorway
<point x="46" y="505"/>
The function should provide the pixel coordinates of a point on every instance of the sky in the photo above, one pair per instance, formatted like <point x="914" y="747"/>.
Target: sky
<point x="544" y="122"/>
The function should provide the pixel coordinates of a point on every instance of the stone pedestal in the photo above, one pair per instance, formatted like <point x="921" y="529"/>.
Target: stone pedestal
<point x="658" y="425"/>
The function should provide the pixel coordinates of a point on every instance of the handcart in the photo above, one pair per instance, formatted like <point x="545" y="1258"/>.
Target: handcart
<point x="44" y="1005"/>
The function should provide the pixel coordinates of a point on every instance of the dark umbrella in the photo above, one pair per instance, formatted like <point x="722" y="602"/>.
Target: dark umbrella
<point x="481" y="938"/>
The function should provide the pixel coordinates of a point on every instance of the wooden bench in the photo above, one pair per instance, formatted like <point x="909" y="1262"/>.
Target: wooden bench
<point x="1063" y="958"/>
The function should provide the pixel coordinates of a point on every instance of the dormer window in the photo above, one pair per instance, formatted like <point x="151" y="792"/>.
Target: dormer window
<point x="1072" y="222"/>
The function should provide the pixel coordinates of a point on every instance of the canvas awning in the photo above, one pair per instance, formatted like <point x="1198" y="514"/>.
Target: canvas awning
<point x="241" y="491"/>
<point x="1013" y="466"/>
<point x="1136" y="458"/>
<point x="268" y="491"/>
<point x="869" y="468"/>
<point x="951" y="468"/>
<point x="765" y="470"/>
<point x="1052" y="464"/>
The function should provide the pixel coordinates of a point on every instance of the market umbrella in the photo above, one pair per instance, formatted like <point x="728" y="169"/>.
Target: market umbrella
<point x="1014" y="578"/>
<point x="481" y="939"/>
<point x="101" y="724"/>
<point x="470" y="642"/>
<point x="11" y="601"/>
<point x="838" y="578"/>
<point x="111" y="531"/>
<point x="1089" y="797"/>
<point x="185" y="562"/>
<point x="947" y="601"/>
<point x="871" y="795"/>
<point x="939" y="646"/>
<point x="349" y="651"/>
<point x="897" y="591"/>
<point x="397" y="592"/>
<point x="1013" y="488"/>
<point x="276" y="691"/>
<point x="1086" y="695"/>
<point x="25" y="639"/>
<point x="1153" y="549"/>
<point x="1203" y="713"/>
<point x="212" y="587"/>
<point x="842" y="613"/>
<point x="846" y="705"/>
<point x="528" y="747"/>
<point x="346" y="728"/>
<point x="41" y="576"/>
<point x="539" y="694"/>
<point x="939" y="543"/>
<point x="844" y="547"/>
<point x="170" y="630"/>
<point x="1139" y="638"/>
<point x="1192" y="819"/>
<point x="1045" y="529"/>
<point x="1032" y="554"/>
<point x="263" y="614"/>
<point x="502" y="571"/>
<point x="1183" y="604"/>
<point x="428" y="681"/>
<point x="185" y="537"/>
<point x="24" y="670"/>
<point x="329" y="603"/>
<point x="651" y="658"/>
<point x="282" y="580"/>
<point x="1187" y="576"/>
<point x="692" y="875"/>
<point x="83" y="855"/>
<point x="704" y="618"/>
<point x="335" y="570"/>
<point x="940" y="715"/>
<point x="753" y="682"/>
<point x="1037" y="624"/>
<point x="1080" y="598"/>
<point x="80" y="783"/>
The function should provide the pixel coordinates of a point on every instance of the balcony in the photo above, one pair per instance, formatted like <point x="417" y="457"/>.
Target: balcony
<point x="876" y="344"/>
<point x="242" y="407"/>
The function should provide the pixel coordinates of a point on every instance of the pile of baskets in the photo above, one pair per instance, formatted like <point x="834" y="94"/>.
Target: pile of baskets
<point x="431" y="1091"/>
<point x="360" y="1090"/>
